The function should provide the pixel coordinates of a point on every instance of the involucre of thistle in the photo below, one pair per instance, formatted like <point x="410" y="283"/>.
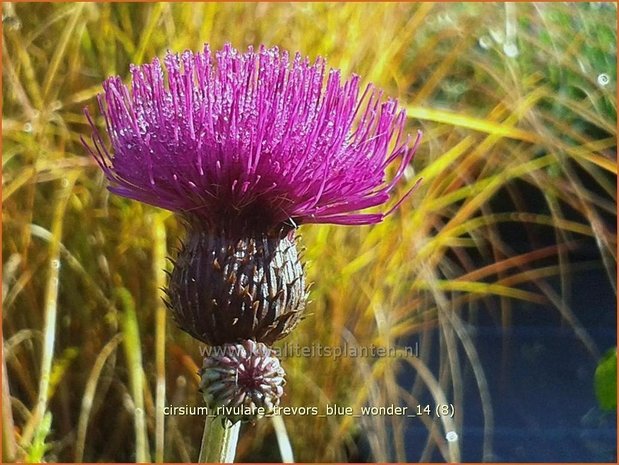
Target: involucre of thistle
<point x="247" y="146"/>
<point x="246" y="379"/>
<point x="226" y="290"/>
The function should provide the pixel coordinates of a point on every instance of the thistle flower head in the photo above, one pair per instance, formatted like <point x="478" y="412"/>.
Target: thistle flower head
<point x="252" y="142"/>
<point x="246" y="146"/>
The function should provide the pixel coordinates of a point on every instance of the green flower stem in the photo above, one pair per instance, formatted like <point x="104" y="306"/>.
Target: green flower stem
<point x="219" y="440"/>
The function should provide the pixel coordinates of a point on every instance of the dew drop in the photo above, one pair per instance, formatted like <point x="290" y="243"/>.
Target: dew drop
<point x="12" y="23"/>
<point x="603" y="79"/>
<point x="181" y="382"/>
<point x="511" y="50"/>
<point x="445" y="18"/>
<point x="409" y="172"/>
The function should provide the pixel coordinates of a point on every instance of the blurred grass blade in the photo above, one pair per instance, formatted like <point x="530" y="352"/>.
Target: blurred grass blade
<point x="39" y="446"/>
<point x="9" y="444"/>
<point x="61" y="365"/>
<point x="154" y="15"/>
<point x="50" y="310"/>
<point x="89" y="395"/>
<point x="159" y="265"/>
<point x="446" y="160"/>
<point x="439" y="398"/>
<point x="475" y="287"/>
<point x="133" y="354"/>
<point x="59" y="53"/>
<point x="469" y="122"/>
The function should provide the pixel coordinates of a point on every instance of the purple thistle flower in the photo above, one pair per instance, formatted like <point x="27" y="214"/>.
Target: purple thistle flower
<point x="250" y="143"/>
<point x="246" y="146"/>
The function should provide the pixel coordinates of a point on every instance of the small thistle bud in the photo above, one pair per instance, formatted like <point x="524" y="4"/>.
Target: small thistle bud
<point x="226" y="290"/>
<point x="242" y="382"/>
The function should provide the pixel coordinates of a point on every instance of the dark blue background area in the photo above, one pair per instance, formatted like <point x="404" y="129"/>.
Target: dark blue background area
<point x="540" y="377"/>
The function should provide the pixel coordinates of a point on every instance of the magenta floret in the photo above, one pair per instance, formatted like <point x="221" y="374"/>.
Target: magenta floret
<point x="249" y="141"/>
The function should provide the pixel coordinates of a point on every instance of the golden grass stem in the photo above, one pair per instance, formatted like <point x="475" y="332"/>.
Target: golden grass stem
<point x="63" y="42"/>
<point x="89" y="395"/>
<point x="480" y="379"/>
<point x="9" y="445"/>
<point x="159" y="263"/>
<point x="470" y="122"/>
<point x="156" y="10"/>
<point x="18" y="90"/>
<point x="133" y="353"/>
<point x="439" y="397"/>
<point x="50" y="309"/>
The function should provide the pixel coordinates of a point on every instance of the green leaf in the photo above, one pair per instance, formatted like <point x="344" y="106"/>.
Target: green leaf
<point x="605" y="380"/>
<point x="39" y="446"/>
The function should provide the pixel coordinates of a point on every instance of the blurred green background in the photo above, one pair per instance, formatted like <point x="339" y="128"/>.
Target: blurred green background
<point x="517" y="103"/>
